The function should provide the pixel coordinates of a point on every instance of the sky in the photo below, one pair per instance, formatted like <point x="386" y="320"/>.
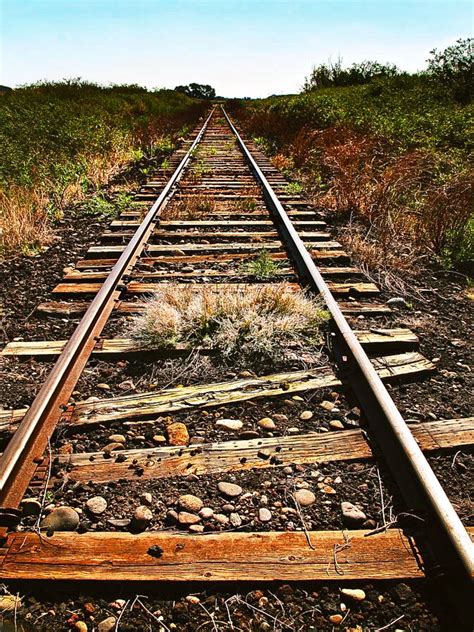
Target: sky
<point x="241" y="47"/>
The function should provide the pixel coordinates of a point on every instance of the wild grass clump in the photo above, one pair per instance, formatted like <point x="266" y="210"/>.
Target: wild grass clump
<point x="261" y="267"/>
<point x="190" y="208"/>
<point x="259" y="324"/>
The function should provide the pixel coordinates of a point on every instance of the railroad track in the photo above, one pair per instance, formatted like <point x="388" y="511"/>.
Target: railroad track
<point x="253" y="209"/>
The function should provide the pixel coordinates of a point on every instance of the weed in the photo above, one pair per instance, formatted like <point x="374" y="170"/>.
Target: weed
<point x="262" y="267"/>
<point x="258" y="324"/>
<point x="99" y="206"/>
<point x="193" y="207"/>
<point x="293" y="188"/>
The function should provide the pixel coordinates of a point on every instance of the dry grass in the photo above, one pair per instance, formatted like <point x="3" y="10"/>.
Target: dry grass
<point x="258" y="323"/>
<point x="24" y="222"/>
<point x="194" y="207"/>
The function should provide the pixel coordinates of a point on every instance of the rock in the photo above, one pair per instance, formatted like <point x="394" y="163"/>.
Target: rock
<point x="264" y="454"/>
<point x="397" y="301"/>
<point x="305" y="415"/>
<point x="280" y="418"/>
<point x="103" y="386"/>
<point x="80" y="626"/>
<point x="119" y="522"/>
<point x="127" y="385"/>
<point x="192" y="599"/>
<point x="305" y="498"/>
<point x="107" y="625"/>
<point x="336" y="619"/>
<point x="327" y="405"/>
<point x="249" y="434"/>
<point x="235" y="520"/>
<point x="146" y="498"/>
<point x="266" y="423"/>
<point x="61" y="519"/>
<point x="96" y="505"/>
<point x="111" y="447"/>
<point x="327" y="489"/>
<point x="30" y="507"/>
<point x="221" y="518"/>
<point x="9" y="603"/>
<point x="118" y="604"/>
<point x="336" y="424"/>
<point x="229" y="424"/>
<point x="141" y="518"/>
<point x="264" y="514"/>
<point x="229" y="489"/>
<point x="196" y="528"/>
<point x="191" y="503"/>
<point x="117" y="438"/>
<point x="66" y="448"/>
<point x="206" y="512"/>
<point x="354" y="593"/>
<point x="177" y="434"/>
<point x="352" y="514"/>
<point x="186" y="518"/>
<point x="159" y="439"/>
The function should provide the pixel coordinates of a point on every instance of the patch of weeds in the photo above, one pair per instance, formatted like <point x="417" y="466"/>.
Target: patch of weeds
<point x="262" y="267"/>
<point x="260" y="325"/>
<point x="194" y="207"/>
<point x="99" y="206"/>
<point x="293" y="188"/>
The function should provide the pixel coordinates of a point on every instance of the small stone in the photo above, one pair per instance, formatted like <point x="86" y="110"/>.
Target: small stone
<point x="230" y="424"/>
<point x="61" y="519"/>
<point x="30" y="507"/>
<point x="264" y="514"/>
<point x="103" y="386"/>
<point x="127" y="385"/>
<point x="249" y="434"/>
<point x="111" y="447"/>
<point x="196" y="528"/>
<point x="142" y="518"/>
<point x="287" y="470"/>
<point x="107" y="625"/>
<point x="327" y="405"/>
<point x="235" y="520"/>
<point x="192" y="599"/>
<point x="186" y="518"/>
<point x="305" y="498"/>
<point x="266" y="423"/>
<point x="336" y="424"/>
<point x="352" y="514"/>
<point x="221" y="518"/>
<point x="80" y="626"/>
<point x="397" y="301"/>
<point x="159" y="439"/>
<point x="229" y="489"/>
<point x="119" y="522"/>
<point x="96" y="505"/>
<point x="354" y="593"/>
<point x="280" y="417"/>
<point x="206" y="512"/>
<point x="118" y="604"/>
<point x="9" y="603"/>
<point x="66" y="448"/>
<point x="264" y="454"/>
<point x="178" y="434"/>
<point x="327" y="489"/>
<point x="336" y="619"/>
<point x="117" y="438"/>
<point x="146" y="498"/>
<point x="305" y="415"/>
<point x="191" y="503"/>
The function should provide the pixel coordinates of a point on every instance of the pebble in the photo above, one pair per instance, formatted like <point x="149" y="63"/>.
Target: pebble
<point x="107" y="624"/>
<point x="103" y="386"/>
<point x="354" y="593"/>
<point x="206" y="512"/>
<point x="266" y="423"/>
<point x="235" y="520"/>
<point x="305" y="498"/>
<point x="221" y="519"/>
<point x="186" y="518"/>
<point x="336" y="424"/>
<point x="9" y="603"/>
<point x="111" y="447"/>
<point x="280" y="417"/>
<point x="119" y="522"/>
<point x="191" y="503"/>
<point x="178" y="434"/>
<point x="305" y="415"/>
<point x="351" y="513"/>
<point x="264" y="514"/>
<point x="96" y="505"/>
<point x="30" y="507"/>
<point x="192" y="599"/>
<point x="327" y="489"/>
<point x="327" y="405"/>
<point x="249" y="434"/>
<point x="146" y="498"/>
<point x="229" y="489"/>
<point x="117" y="438"/>
<point x="142" y="518"/>
<point x="196" y="528"/>
<point x="80" y="626"/>
<point x="61" y="519"/>
<point x="127" y="385"/>
<point x="118" y="604"/>
<point x="397" y="301"/>
<point x="336" y="618"/>
<point x="230" y="424"/>
<point x="159" y="439"/>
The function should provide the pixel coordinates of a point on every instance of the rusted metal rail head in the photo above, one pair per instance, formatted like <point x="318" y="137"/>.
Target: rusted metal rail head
<point x="446" y="546"/>
<point x="27" y="446"/>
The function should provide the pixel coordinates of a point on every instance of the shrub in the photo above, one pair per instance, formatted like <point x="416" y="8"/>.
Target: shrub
<point x="262" y="267"/>
<point x="260" y="323"/>
<point x="453" y="69"/>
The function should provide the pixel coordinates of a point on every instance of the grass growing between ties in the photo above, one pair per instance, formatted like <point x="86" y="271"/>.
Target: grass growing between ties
<point x="194" y="207"/>
<point x="259" y="324"/>
<point x="61" y="142"/>
<point x="262" y="267"/>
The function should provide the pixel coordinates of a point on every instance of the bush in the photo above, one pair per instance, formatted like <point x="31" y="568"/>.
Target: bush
<point x="453" y="69"/>
<point x="259" y="324"/>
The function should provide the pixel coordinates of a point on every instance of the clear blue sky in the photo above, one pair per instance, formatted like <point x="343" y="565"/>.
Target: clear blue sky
<point x="241" y="47"/>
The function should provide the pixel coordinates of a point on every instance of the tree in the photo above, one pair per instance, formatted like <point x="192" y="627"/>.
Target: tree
<point x="197" y="91"/>
<point x="453" y="68"/>
<point x="334" y="74"/>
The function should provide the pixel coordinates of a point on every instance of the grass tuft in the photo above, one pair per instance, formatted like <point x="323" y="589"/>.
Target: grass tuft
<point x="262" y="267"/>
<point x="259" y="324"/>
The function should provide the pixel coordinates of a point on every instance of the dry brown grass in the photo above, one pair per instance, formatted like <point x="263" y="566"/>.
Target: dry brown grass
<point x="193" y="207"/>
<point x="24" y="222"/>
<point x="258" y="323"/>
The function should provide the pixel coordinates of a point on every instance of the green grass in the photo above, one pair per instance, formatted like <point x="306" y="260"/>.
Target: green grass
<point x="262" y="267"/>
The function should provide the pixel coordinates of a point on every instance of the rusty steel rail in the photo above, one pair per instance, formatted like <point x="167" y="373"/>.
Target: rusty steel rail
<point x="27" y="446"/>
<point x="451" y="551"/>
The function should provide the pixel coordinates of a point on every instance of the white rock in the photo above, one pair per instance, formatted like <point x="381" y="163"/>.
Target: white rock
<point x="305" y="497"/>
<point x="96" y="505"/>
<point x="229" y="424"/>
<point x="354" y="593"/>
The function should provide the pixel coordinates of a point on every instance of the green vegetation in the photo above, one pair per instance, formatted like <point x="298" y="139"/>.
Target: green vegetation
<point x="62" y="141"/>
<point x="259" y="325"/>
<point x="197" y="91"/>
<point x="262" y="267"/>
<point x="389" y="149"/>
<point x="100" y="206"/>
